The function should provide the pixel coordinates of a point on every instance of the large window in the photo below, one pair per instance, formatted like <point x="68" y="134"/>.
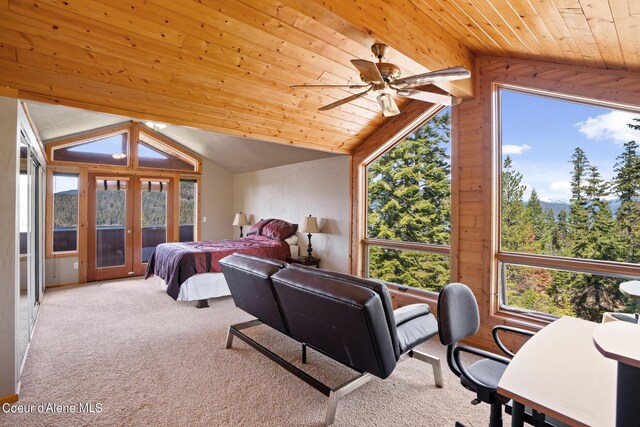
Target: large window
<point x="569" y="205"/>
<point x="409" y="206"/>
<point x="65" y="212"/>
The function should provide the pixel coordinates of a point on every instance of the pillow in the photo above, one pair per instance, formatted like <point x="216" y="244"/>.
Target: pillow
<point x="278" y="229"/>
<point x="292" y="241"/>
<point x="257" y="227"/>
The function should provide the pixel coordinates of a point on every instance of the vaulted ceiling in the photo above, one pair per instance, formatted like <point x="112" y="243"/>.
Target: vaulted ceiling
<point x="226" y="65"/>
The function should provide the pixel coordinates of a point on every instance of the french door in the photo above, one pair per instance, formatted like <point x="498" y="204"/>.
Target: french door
<point x="128" y="217"/>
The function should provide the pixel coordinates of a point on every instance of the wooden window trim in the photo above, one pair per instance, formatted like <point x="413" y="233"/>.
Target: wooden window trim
<point x="177" y="206"/>
<point x="134" y="132"/>
<point x="365" y="155"/>
<point x="168" y="145"/>
<point x="49" y="253"/>
<point x="410" y="246"/>
<point x="497" y="311"/>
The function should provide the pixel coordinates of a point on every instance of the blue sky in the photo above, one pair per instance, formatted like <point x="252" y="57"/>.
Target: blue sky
<point x="540" y="135"/>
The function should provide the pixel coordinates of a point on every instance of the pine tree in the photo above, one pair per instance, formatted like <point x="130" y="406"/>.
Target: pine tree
<point x="410" y="200"/>
<point x="578" y="216"/>
<point x="517" y="231"/>
<point x="627" y="187"/>
<point x="595" y="294"/>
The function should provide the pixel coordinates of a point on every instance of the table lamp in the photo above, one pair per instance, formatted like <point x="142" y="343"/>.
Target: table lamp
<point x="310" y="225"/>
<point x="241" y="220"/>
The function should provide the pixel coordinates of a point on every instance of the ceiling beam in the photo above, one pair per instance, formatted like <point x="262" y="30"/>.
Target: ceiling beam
<point x="405" y="28"/>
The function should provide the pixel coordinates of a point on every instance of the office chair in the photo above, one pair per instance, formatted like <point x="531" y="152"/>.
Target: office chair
<point x="459" y="319"/>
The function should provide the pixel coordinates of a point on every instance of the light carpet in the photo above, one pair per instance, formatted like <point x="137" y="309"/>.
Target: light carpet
<point x="148" y="360"/>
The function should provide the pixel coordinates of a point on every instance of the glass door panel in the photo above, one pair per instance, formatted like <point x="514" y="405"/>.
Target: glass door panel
<point x="110" y="232"/>
<point x="153" y="210"/>
<point x="111" y="227"/>
<point x="188" y="210"/>
<point x="24" y="320"/>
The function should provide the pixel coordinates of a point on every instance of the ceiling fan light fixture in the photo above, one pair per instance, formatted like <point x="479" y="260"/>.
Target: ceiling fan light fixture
<point x="156" y="126"/>
<point x="119" y="156"/>
<point x="387" y="105"/>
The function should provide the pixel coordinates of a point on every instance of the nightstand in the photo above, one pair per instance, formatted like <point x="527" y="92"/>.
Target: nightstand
<point x="304" y="261"/>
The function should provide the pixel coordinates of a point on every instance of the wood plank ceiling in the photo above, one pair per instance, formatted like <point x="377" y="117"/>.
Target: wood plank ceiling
<point x="226" y="65"/>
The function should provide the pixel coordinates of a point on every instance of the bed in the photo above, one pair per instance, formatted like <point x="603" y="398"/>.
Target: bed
<point x="191" y="271"/>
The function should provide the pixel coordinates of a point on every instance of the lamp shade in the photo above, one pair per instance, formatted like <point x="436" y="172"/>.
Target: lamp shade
<point x="310" y="225"/>
<point x="240" y="219"/>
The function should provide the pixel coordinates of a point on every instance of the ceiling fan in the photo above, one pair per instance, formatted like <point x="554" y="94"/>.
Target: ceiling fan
<point x="384" y="77"/>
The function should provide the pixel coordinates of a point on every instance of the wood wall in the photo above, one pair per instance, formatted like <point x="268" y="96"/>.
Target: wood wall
<point x="474" y="170"/>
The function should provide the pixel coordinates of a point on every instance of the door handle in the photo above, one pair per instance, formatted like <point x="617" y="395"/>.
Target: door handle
<point x="128" y="231"/>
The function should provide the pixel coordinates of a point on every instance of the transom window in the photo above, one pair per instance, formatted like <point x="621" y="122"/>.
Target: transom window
<point x="569" y="228"/>
<point x="106" y="150"/>
<point x="409" y="208"/>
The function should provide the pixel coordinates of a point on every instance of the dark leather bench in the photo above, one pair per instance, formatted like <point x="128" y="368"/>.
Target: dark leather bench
<point x="347" y="318"/>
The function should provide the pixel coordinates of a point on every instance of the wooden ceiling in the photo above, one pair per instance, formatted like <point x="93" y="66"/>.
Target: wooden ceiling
<point x="592" y="33"/>
<point x="226" y="65"/>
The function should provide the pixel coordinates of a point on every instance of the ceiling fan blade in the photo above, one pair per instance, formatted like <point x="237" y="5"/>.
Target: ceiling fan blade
<point x="448" y="74"/>
<point x="368" y="70"/>
<point x="344" y="101"/>
<point x="329" y="86"/>
<point x="434" y="98"/>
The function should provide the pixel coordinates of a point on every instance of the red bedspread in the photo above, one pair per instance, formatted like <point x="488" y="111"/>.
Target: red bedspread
<point x="176" y="262"/>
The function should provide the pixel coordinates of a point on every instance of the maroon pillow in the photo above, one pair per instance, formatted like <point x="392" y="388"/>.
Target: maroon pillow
<point x="279" y="229"/>
<point x="257" y="227"/>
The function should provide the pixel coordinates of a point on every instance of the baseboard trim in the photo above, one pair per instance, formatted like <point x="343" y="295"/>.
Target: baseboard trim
<point x="12" y="398"/>
<point x="57" y="285"/>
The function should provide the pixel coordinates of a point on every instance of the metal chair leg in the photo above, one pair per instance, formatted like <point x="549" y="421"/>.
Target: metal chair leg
<point x="340" y="391"/>
<point x="229" y="338"/>
<point x="495" y="419"/>
<point x="434" y="362"/>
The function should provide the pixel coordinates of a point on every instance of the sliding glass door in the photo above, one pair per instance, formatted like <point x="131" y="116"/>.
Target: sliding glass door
<point x="30" y="184"/>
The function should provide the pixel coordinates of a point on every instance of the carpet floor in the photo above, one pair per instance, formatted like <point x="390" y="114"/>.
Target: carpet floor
<point x="141" y="358"/>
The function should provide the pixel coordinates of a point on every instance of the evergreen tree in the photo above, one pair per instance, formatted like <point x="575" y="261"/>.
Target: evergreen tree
<point x="541" y="224"/>
<point x="578" y="214"/>
<point x="594" y="294"/>
<point x="517" y="231"/>
<point x="627" y="187"/>
<point x="410" y="200"/>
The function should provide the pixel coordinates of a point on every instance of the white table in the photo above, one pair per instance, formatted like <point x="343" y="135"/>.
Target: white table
<point x="620" y="341"/>
<point x="560" y="373"/>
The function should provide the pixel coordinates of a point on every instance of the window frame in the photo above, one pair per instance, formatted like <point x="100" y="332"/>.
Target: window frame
<point x="49" y="253"/>
<point x="366" y="243"/>
<point x="500" y="258"/>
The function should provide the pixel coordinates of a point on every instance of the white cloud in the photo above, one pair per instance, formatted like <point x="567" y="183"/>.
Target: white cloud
<point x="559" y="190"/>
<point x="612" y="125"/>
<point x="515" y="149"/>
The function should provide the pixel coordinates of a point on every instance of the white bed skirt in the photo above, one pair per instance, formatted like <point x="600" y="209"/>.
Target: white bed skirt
<point x="203" y="286"/>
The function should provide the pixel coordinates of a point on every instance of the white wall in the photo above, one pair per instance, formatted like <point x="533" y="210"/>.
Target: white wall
<point x="9" y="248"/>
<point x="60" y="271"/>
<point x="216" y="197"/>
<point x="292" y="192"/>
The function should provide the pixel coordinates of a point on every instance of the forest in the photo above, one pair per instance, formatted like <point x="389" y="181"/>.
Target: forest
<point x="110" y="207"/>
<point x="409" y="200"/>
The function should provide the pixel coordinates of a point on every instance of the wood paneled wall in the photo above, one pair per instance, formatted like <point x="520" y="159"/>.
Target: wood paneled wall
<point x="475" y="172"/>
<point x="474" y="169"/>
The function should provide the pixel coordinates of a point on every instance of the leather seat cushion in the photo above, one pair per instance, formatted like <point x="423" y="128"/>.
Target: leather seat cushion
<point x="416" y="331"/>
